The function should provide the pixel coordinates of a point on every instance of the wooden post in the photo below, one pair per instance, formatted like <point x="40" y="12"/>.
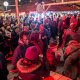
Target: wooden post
<point x="62" y="1"/>
<point x="17" y="11"/>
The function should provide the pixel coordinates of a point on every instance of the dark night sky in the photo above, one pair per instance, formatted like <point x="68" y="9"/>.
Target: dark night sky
<point x="12" y="2"/>
<point x="22" y="1"/>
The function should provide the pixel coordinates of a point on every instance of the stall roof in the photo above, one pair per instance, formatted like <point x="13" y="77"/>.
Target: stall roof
<point x="62" y="7"/>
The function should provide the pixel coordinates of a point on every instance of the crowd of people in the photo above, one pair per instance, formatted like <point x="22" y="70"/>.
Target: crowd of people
<point x="39" y="46"/>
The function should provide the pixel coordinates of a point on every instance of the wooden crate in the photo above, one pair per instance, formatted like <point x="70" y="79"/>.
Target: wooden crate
<point x="56" y="76"/>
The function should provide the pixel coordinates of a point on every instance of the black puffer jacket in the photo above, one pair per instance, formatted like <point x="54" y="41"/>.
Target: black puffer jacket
<point x="3" y="68"/>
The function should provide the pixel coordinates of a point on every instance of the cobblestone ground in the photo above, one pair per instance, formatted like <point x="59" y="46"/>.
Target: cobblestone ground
<point x="11" y="75"/>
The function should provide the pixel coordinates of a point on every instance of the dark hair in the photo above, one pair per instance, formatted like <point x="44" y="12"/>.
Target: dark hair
<point x="34" y="35"/>
<point x="75" y="15"/>
<point x="68" y="38"/>
<point x="76" y="37"/>
<point x="23" y="33"/>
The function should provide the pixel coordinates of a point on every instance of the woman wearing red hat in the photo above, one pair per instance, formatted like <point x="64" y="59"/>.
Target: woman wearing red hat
<point x="30" y="67"/>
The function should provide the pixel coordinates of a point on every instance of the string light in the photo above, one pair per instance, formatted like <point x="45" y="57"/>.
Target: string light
<point x="5" y="3"/>
<point x="19" y="0"/>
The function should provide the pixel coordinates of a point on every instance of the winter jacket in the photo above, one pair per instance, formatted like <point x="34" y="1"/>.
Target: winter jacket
<point x="72" y="57"/>
<point x="3" y="68"/>
<point x="19" y="52"/>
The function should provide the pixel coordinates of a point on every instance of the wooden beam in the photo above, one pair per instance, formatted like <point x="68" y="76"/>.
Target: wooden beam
<point x="47" y="8"/>
<point x="17" y="11"/>
<point x="62" y="3"/>
<point x="14" y="5"/>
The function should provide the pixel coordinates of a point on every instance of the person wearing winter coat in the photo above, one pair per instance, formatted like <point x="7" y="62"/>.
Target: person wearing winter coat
<point x="20" y="50"/>
<point x="3" y="67"/>
<point x="72" y="57"/>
